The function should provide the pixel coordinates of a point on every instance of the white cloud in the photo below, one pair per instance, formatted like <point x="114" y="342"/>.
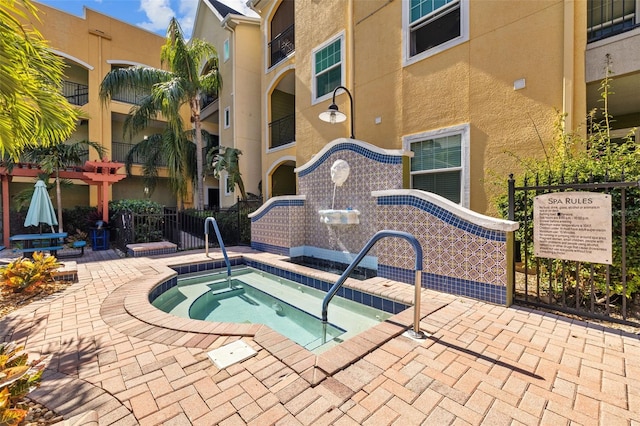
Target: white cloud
<point x="240" y="6"/>
<point x="159" y="13"/>
<point x="187" y="16"/>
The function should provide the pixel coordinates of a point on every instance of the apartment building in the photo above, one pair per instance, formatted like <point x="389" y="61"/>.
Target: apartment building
<point x="92" y="45"/>
<point x="467" y="86"/>
<point x="234" y="114"/>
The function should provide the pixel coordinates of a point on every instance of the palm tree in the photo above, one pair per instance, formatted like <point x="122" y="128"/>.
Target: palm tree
<point x="181" y="84"/>
<point x="33" y="110"/>
<point x="163" y="149"/>
<point x="224" y="158"/>
<point x="57" y="157"/>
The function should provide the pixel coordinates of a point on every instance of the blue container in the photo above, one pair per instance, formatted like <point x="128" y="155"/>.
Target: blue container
<point x="99" y="238"/>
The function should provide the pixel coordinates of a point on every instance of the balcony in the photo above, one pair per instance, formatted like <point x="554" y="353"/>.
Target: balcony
<point x="206" y="100"/>
<point x="120" y="150"/>
<point x="76" y="93"/>
<point x="131" y="95"/>
<point x="606" y="18"/>
<point x="282" y="45"/>
<point x="283" y="131"/>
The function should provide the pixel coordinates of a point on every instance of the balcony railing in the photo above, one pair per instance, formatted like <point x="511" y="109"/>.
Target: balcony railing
<point x="76" y="93"/>
<point x="120" y="150"/>
<point x="206" y="100"/>
<point x="283" y="131"/>
<point x="282" y="45"/>
<point x="130" y="95"/>
<point x="606" y="18"/>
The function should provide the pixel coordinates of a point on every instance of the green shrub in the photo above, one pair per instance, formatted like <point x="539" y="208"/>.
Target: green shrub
<point x="18" y="377"/>
<point x="571" y="158"/>
<point x="27" y="274"/>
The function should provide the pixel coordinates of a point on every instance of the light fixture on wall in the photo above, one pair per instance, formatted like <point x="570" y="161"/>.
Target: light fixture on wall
<point x="333" y="115"/>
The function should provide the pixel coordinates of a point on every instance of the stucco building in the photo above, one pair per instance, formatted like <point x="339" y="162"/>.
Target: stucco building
<point x="91" y="46"/>
<point x="462" y="84"/>
<point x="234" y="114"/>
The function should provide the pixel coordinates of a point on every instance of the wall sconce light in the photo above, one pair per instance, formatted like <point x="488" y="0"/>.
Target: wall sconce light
<point x="334" y="115"/>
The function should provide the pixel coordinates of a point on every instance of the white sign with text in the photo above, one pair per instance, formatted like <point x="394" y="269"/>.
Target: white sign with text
<point x="573" y="226"/>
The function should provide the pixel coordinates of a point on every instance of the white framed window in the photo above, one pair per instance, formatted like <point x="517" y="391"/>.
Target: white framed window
<point x="328" y="68"/>
<point x="225" y="50"/>
<point x="228" y="188"/>
<point x="431" y="26"/>
<point x="440" y="162"/>
<point x="227" y="118"/>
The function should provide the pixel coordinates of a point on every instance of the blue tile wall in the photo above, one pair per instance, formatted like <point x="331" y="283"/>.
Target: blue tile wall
<point x="269" y="248"/>
<point x="444" y="215"/>
<point x="381" y="158"/>
<point x="477" y="290"/>
<point x="279" y="203"/>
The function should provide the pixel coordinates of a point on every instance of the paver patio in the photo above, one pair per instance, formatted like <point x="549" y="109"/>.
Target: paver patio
<point x="481" y="364"/>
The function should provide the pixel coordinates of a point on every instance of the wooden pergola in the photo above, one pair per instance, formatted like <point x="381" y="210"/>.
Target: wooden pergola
<point x="102" y="173"/>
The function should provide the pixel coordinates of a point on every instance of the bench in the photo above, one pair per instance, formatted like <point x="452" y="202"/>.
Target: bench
<point x="51" y="249"/>
<point x="151" y="249"/>
<point x="76" y="245"/>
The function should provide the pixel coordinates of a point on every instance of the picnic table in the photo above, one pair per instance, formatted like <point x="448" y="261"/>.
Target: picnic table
<point x="50" y="241"/>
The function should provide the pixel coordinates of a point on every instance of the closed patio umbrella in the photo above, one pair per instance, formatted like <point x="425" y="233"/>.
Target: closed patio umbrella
<point x="41" y="209"/>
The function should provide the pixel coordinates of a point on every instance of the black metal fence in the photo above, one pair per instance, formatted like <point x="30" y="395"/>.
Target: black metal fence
<point x="130" y="95"/>
<point x="606" y="18"/>
<point x="596" y="290"/>
<point x="76" y="93"/>
<point x="283" y="131"/>
<point x="282" y="45"/>
<point x="185" y="228"/>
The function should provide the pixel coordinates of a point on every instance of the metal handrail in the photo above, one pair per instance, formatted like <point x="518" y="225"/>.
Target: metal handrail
<point x="206" y="241"/>
<point x="418" y="277"/>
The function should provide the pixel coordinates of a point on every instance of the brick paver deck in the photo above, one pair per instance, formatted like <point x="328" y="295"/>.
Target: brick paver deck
<point x="481" y="364"/>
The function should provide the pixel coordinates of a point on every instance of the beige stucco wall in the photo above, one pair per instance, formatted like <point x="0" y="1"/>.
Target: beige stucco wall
<point x="246" y="123"/>
<point x="90" y="43"/>
<point x="241" y="80"/>
<point x="471" y="83"/>
<point x="271" y="78"/>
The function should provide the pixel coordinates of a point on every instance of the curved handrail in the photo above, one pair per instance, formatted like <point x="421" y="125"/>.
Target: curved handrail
<point x="206" y="241"/>
<point x="418" y="277"/>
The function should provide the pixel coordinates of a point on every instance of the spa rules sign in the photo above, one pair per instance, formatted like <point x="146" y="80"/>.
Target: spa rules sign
<point x="573" y="226"/>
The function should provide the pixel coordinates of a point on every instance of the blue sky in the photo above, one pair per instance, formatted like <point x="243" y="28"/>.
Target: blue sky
<point x="152" y="15"/>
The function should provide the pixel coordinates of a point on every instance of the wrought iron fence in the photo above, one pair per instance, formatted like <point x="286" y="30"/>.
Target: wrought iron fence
<point x="76" y="93"/>
<point x="606" y="18"/>
<point x="207" y="100"/>
<point x="283" y="131"/>
<point x="120" y="150"/>
<point x="185" y="228"/>
<point x="609" y="292"/>
<point x="282" y="45"/>
<point x="130" y="95"/>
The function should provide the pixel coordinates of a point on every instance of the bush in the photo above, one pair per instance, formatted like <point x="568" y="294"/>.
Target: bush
<point x="596" y="158"/>
<point x="135" y="206"/>
<point x="79" y="218"/>
<point x="26" y="274"/>
<point x="17" y="378"/>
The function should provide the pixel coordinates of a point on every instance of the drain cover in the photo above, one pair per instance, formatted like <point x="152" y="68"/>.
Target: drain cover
<point x="230" y="354"/>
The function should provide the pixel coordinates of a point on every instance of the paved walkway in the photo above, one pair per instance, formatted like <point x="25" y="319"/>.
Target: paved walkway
<point x="482" y="364"/>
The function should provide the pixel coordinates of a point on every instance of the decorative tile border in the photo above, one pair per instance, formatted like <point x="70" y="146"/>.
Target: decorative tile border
<point x="474" y="289"/>
<point x="270" y="248"/>
<point x="360" y="149"/>
<point x="444" y="215"/>
<point x="277" y="203"/>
